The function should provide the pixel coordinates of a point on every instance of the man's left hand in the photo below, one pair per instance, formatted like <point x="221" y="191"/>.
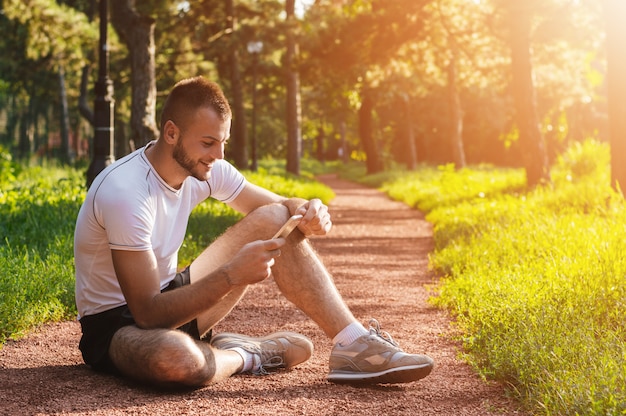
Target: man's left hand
<point x="316" y="219"/>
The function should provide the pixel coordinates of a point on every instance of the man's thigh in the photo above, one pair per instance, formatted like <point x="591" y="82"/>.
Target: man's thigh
<point x="260" y="224"/>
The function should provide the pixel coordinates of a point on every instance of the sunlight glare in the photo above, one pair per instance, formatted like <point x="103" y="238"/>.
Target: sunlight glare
<point x="302" y="6"/>
<point x="183" y="7"/>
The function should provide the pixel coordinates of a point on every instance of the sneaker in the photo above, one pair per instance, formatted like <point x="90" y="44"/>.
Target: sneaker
<point x="376" y="359"/>
<point x="277" y="350"/>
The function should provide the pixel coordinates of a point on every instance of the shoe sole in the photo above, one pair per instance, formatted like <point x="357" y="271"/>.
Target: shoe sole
<point x="391" y="376"/>
<point x="309" y="344"/>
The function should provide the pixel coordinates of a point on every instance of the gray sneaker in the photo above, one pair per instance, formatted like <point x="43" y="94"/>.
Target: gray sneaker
<point x="277" y="350"/>
<point x="376" y="359"/>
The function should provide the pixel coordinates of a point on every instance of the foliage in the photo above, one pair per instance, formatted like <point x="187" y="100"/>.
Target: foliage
<point x="54" y="31"/>
<point x="8" y="168"/>
<point x="535" y="279"/>
<point x="402" y="58"/>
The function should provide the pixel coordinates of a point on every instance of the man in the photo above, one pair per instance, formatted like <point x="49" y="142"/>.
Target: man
<point x="142" y="319"/>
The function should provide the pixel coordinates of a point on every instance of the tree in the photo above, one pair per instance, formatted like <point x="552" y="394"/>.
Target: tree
<point x="239" y="131"/>
<point x="294" y="136"/>
<point x="137" y="31"/>
<point x="532" y="144"/>
<point x="366" y="128"/>
<point x="615" y="15"/>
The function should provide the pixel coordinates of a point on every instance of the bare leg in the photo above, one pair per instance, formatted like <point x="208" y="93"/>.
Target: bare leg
<point x="303" y="279"/>
<point x="169" y="357"/>
<point x="299" y="273"/>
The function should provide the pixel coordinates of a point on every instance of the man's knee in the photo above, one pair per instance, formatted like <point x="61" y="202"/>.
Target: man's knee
<point x="162" y="357"/>
<point x="183" y="362"/>
<point x="268" y="218"/>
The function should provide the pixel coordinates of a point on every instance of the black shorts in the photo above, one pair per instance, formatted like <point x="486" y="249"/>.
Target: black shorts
<point x="98" y="330"/>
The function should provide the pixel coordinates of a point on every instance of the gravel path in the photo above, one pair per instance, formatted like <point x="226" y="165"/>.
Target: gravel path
<point x="378" y="254"/>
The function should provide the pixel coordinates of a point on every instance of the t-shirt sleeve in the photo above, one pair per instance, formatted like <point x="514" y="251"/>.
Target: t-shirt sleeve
<point x="127" y="219"/>
<point x="225" y="182"/>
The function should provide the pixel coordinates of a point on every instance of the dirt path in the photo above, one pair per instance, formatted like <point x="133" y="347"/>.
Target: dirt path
<point x="377" y="253"/>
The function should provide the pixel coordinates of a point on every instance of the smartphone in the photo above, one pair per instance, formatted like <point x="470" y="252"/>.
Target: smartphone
<point x="288" y="227"/>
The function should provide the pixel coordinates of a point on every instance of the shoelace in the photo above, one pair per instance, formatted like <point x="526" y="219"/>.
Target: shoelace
<point x="267" y="359"/>
<point x="375" y="330"/>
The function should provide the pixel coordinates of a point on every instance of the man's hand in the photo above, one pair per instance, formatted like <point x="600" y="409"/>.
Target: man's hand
<point x="253" y="263"/>
<point x="316" y="219"/>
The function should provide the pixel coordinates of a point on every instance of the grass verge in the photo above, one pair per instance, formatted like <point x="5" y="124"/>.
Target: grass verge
<point x="536" y="279"/>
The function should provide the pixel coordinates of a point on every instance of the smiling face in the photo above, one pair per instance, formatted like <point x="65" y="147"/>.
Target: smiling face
<point x="201" y="142"/>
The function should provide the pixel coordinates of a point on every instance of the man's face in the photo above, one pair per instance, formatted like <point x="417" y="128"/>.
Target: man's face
<point x="201" y="143"/>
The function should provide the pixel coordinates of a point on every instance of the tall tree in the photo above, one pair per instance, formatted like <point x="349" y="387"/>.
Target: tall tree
<point x="294" y="135"/>
<point x="615" y="14"/>
<point x="239" y="140"/>
<point x="137" y="31"/>
<point x="531" y="139"/>
<point x="366" y="130"/>
<point x="456" y="115"/>
<point x="66" y="150"/>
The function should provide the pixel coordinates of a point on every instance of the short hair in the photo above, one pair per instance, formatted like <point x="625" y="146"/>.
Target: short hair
<point x="191" y="94"/>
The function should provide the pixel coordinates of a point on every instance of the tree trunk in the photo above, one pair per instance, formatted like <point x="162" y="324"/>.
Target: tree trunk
<point x="239" y="141"/>
<point x="343" y="150"/>
<point x="137" y="32"/>
<point x="319" y="143"/>
<point x="25" y="143"/>
<point x="66" y="151"/>
<point x="456" y="118"/>
<point x="12" y="123"/>
<point x="83" y="107"/>
<point x="373" y="163"/>
<point x="615" y="15"/>
<point x="294" y="135"/>
<point x="531" y="140"/>
<point x="409" y="135"/>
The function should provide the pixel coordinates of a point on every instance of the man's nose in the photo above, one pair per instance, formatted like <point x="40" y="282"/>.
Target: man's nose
<point x="218" y="151"/>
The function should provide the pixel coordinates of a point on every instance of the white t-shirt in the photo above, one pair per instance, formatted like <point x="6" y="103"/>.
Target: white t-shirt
<point x="129" y="207"/>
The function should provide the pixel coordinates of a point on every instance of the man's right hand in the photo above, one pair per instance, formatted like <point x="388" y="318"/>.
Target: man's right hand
<point x="253" y="263"/>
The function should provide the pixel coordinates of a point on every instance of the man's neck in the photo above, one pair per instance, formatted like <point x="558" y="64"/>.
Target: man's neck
<point x="164" y="165"/>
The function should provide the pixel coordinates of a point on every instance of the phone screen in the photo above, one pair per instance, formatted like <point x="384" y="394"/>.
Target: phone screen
<point x="288" y="227"/>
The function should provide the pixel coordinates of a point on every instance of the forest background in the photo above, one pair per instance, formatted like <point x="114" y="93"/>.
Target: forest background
<point x="392" y="82"/>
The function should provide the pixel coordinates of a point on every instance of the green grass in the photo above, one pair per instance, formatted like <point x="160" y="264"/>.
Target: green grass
<point x="536" y="279"/>
<point x="38" y="209"/>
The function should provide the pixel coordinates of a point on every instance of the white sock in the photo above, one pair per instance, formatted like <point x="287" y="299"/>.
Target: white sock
<point x="350" y="334"/>
<point x="248" y="359"/>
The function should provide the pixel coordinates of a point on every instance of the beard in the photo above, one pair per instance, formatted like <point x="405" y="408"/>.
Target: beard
<point x="191" y="166"/>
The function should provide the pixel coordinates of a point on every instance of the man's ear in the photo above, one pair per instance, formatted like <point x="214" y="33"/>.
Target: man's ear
<point x="171" y="132"/>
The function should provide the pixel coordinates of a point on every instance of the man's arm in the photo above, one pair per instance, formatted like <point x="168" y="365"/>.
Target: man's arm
<point x="139" y="279"/>
<point x="252" y="197"/>
<point x="316" y="219"/>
